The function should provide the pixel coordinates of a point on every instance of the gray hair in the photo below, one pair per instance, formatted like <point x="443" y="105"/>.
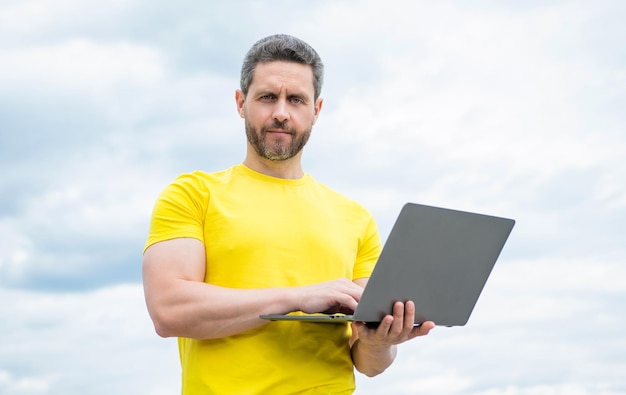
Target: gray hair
<point x="282" y="47"/>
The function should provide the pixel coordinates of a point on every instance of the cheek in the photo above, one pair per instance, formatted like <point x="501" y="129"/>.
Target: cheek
<point x="258" y="114"/>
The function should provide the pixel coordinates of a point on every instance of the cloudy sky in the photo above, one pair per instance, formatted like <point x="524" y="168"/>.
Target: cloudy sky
<point x="508" y="108"/>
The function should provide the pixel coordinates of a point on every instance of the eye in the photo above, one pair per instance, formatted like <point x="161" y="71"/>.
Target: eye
<point x="297" y="100"/>
<point x="268" y="97"/>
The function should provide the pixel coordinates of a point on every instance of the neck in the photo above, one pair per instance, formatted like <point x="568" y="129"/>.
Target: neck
<point x="290" y="169"/>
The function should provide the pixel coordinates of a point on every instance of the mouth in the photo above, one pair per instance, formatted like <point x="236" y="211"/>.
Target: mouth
<point x="278" y="132"/>
<point x="278" y="128"/>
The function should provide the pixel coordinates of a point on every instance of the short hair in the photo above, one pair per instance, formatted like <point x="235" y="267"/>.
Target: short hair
<point x="282" y="47"/>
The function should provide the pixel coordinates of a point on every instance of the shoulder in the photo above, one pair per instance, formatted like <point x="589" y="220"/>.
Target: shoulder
<point x="199" y="177"/>
<point x="202" y="181"/>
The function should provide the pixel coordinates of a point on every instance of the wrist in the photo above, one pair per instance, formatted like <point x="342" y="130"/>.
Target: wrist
<point x="288" y="300"/>
<point x="370" y="359"/>
<point x="375" y="349"/>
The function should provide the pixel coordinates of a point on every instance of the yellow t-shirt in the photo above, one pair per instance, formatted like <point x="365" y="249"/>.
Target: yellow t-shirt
<point x="261" y="231"/>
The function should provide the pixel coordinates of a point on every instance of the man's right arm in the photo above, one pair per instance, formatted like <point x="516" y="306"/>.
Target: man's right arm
<point x="181" y="304"/>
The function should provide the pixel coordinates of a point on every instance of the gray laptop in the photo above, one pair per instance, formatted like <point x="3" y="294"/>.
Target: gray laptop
<point x="436" y="257"/>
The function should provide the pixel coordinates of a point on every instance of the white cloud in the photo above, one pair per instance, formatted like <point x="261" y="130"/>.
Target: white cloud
<point x="448" y="383"/>
<point x="32" y="17"/>
<point x="97" y="204"/>
<point x="562" y="389"/>
<point x="509" y="109"/>
<point x="10" y="385"/>
<point x="100" y="342"/>
<point x="15" y="251"/>
<point x="80" y="64"/>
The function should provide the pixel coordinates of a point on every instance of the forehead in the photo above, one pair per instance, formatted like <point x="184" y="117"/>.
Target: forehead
<point x="280" y="74"/>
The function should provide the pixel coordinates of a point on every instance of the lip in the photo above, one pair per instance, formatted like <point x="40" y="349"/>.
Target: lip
<point x="278" y="131"/>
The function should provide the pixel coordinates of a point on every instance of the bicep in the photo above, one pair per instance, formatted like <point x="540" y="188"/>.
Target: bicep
<point x="168" y="261"/>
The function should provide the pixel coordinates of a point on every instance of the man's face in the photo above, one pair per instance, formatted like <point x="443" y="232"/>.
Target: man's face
<point x="279" y="109"/>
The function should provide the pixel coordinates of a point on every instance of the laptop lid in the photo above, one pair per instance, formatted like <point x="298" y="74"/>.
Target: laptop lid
<point x="439" y="258"/>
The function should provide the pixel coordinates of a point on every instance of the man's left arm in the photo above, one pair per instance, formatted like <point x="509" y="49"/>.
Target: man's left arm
<point x="374" y="349"/>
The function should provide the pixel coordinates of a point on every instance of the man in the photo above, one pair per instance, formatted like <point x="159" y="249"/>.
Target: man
<point x="263" y="237"/>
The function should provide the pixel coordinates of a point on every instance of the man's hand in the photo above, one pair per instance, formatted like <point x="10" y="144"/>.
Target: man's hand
<point x="336" y="296"/>
<point x="394" y="329"/>
<point x="374" y="349"/>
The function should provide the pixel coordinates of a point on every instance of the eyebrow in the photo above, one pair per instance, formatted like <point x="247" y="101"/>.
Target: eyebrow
<point x="269" y="91"/>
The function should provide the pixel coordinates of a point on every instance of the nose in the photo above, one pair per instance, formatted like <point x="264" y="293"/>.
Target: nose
<point x="280" y="112"/>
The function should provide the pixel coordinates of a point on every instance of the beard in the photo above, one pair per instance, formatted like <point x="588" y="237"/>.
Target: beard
<point x="276" y="151"/>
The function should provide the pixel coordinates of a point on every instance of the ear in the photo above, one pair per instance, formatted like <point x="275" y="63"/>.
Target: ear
<point x="240" y="99"/>
<point x="317" y="107"/>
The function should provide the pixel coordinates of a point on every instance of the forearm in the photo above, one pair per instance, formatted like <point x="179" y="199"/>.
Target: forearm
<point x="204" y="311"/>
<point x="372" y="361"/>
<point x="181" y="304"/>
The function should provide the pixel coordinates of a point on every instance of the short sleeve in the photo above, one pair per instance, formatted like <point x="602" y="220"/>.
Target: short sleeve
<point x="180" y="210"/>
